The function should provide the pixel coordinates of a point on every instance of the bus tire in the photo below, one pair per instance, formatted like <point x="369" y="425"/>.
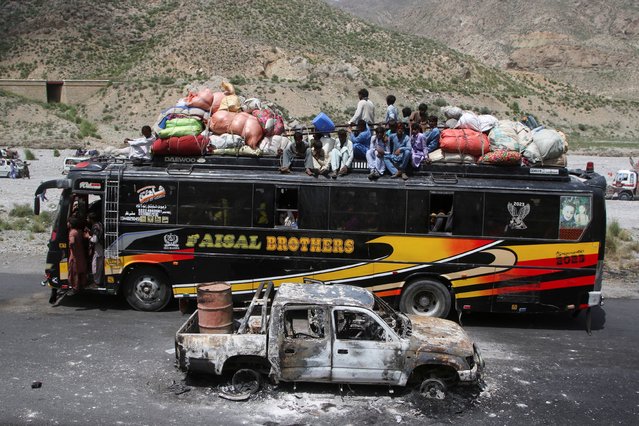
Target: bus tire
<point x="426" y="298"/>
<point x="147" y="289"/>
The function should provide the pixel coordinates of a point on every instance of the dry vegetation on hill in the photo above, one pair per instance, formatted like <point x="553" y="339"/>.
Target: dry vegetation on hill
<point x="303" y="56"/>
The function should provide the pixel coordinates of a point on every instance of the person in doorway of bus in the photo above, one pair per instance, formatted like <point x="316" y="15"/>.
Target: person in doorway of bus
<point x="298" y="149"/>
<point x="365" y="109"/>
<point x="140" y="148"/>
<point x="397" y="162"/>
<point x="361" y="139"/>
<point x="568" y="216"/>
<point x="342" y="155"/>
<point x="392" y="113"/>
<point x="77" y="261"/>
<point x="95" y="236"/>
<point x="375" y="155"/>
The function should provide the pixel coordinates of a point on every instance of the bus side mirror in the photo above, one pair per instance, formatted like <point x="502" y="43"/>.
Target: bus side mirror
<point x="36" y="205"/>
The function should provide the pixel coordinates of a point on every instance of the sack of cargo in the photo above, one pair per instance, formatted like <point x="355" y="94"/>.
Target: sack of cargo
<point x="183" y="145"/>
<point x="546" y="144"/>
<point x="509" y="135"/>
<point x="271" y="145"/>
<point x="271" y="122"/>
<point x="251" y="104"/>
<point x="464" y="141"/>
<point x="451" y="112"/>
<point x="202" y="99"/>
<point x="243" y="151"/>
<point x="501" y="157"/>
<point x="217" y="100"/>
<point x="180" y="131"/>
<point x="440" y="157"/>
<point x="242" y="124"/>
<point x="469" y="120"/>
<point x="561" y="161"/>
<point x="486" y="122"/>
<point x="230" y="103"/>
<point x="181" y="122"/>
<point x="226" y="141"/>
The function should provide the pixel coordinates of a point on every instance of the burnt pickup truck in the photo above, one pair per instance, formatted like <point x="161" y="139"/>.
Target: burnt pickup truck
<point x="338" y="334"/>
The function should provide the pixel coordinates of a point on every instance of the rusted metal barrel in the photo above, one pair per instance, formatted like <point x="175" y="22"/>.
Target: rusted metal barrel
<point x="215" y="308"/>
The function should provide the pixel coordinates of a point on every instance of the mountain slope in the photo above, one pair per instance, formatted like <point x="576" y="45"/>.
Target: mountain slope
<point x="303" y="56"/>
<point x="592" y="44"/>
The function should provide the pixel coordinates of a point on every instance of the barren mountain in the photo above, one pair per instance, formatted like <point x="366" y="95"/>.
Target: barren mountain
<point x="591" y="44"/>
<point x="302" y="56"/>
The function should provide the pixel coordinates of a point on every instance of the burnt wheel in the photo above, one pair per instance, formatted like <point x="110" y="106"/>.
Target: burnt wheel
<point x="147" y="289"/>
<point x="433" y="388"/>
<point x="427" y="298"/>
<point x="247" y="381"/>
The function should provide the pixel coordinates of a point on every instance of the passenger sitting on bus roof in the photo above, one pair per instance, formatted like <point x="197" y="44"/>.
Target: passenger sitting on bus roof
<point x="365" y="109"/>
<point x="391" y="110"/>
<point x="418" y="116"/>
<point x="418" y="147"/>
<point x="139" y="148"/>
<point x="433" y="135"/>
<point x="321" y="165"/>
<point x="397" y="162"/>
<point x="361" y="139"/>
<point x="375" y="155"/>
<point x="342" y="155"/>
<point x="406" y="113"/>
<point x="298" y="149"/>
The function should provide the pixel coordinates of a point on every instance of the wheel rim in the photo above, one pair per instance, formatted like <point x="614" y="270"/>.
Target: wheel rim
<point x="433" y="388"/>
<point x="425" y="302"/>
<point x="246" y="381"/>
<point x="147" y="289"/>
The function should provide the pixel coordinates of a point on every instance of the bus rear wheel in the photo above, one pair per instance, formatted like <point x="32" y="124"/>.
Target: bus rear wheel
<point x="426" y="298"/>
<point x="147" y="289"/>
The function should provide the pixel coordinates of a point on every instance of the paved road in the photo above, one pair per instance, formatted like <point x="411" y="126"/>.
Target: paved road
<point x="100" y="362"/>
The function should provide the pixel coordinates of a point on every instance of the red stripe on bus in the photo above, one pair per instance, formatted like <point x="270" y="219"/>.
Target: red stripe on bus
<point x="548" y="285"/>
<point x="388" y="293"/>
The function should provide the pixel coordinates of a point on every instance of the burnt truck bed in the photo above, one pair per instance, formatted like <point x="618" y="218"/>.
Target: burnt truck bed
<point x="197" y="351"/>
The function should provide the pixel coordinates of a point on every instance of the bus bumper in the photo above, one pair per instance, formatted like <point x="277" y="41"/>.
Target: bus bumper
<point x="594" y="298"/>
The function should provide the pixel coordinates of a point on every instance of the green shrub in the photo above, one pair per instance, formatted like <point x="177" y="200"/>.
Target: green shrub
<point x="29" y="155"/>
<point x="56" y="153"/>
<point x="440" y="102"/>
<point x="21" y="210"/>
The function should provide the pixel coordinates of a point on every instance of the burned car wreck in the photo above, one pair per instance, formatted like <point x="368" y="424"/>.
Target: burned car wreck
<point x="334" y="334"/>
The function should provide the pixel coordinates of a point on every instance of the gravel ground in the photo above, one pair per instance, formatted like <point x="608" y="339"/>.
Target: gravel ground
<point x="28" y="249"/>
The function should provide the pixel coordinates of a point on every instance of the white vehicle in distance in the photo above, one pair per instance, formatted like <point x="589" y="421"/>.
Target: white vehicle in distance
<point x="69" y="162"/>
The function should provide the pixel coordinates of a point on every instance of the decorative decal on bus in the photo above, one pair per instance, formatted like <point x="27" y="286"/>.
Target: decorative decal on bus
<point x="518" y="211"/>
<point x="150" y="193"/>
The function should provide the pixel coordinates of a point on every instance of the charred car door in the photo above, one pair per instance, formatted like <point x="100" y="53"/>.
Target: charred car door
<point x="365" y="349"/>
<point x="305" y="350"/>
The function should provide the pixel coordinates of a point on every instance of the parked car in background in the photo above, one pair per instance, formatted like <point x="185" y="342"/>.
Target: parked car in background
<point x="69" y="162"/>
<point x="5" y="167"/>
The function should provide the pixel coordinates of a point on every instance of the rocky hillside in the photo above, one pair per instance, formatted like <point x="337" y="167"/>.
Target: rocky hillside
<point x="591" y="44"/>
<point x="302" y="56"/>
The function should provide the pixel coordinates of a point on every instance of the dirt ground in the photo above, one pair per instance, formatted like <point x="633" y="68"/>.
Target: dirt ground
<point x="28" y="249"/>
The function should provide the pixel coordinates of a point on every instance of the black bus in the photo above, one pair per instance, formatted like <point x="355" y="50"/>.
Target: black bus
<point x="464" y="237"/>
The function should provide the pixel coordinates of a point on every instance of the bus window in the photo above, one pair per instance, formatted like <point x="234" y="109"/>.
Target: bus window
<point x="574" y="217"/>
<point x="441" y="212"/>
<point x="286" y="210"/>
<point x="372" y="210"/>
<point x="225" y="204"/>
<point x="417" y="219"/>
<point x="263" y="196"/>
<point x="314" y="207"/>
<point x="520" y="215"/>
<point x="469" y="209"/>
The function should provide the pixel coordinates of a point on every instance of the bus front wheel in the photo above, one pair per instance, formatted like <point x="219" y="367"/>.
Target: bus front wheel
<point x="427" y="298"/>
<point x="147" y="289"/>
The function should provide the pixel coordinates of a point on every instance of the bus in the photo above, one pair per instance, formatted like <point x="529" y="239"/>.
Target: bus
<point x="469" y="238"/>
